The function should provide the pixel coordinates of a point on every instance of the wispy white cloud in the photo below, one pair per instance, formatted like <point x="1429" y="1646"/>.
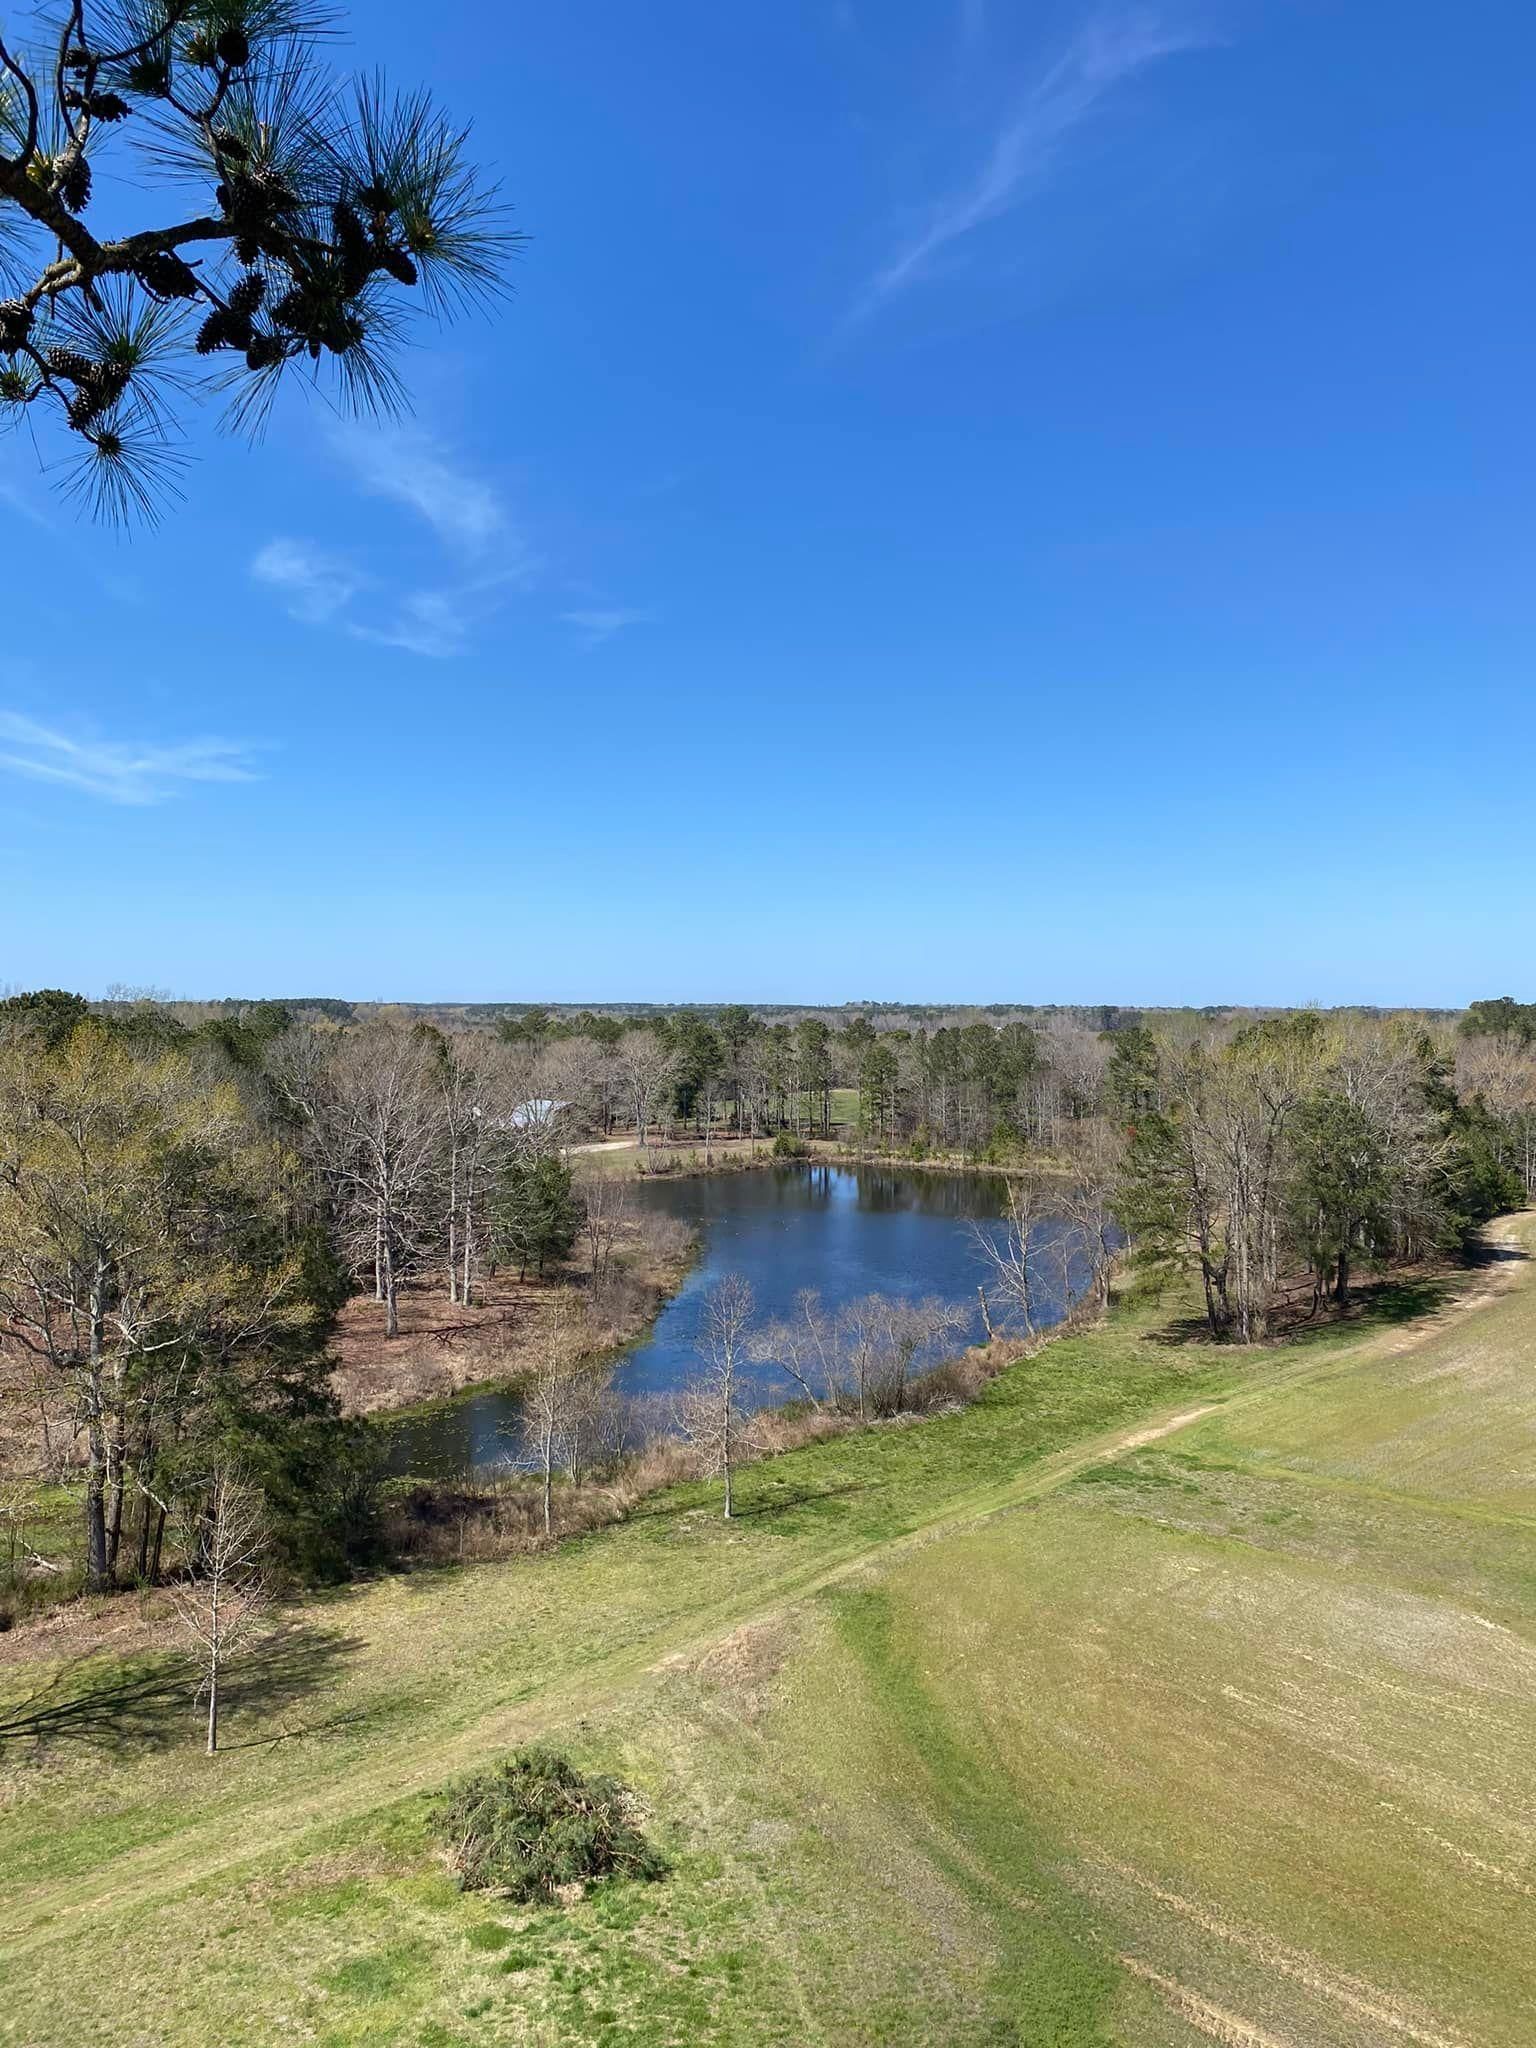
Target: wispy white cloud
<point x="314" y="585"/>
<point x="491" y="556"/>
<point x="602" y="623"/>
<point x="119" y="771"/>
<point x="433" y="623"/>
<point x="1105" y="55"/>
<point x="411" y="468"/>
<point x="321" y="589"/>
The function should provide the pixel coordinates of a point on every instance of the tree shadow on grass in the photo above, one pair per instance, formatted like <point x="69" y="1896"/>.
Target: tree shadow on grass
<point x="1496" y="1252"/>
<point x="149" y="1702"/>
<point x="1374" y="1304"/>
<point x="707" y="1504"/>
<point x="809" y="1497"/>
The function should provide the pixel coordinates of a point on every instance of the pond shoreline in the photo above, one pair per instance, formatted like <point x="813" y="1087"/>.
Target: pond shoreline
<point x="665" y="1288"/>
<point x="838" y="1228"/>
<point x="831" y="1152"/>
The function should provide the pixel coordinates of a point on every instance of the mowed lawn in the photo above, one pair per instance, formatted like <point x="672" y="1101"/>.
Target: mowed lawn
<point x="1005" y="1727"/>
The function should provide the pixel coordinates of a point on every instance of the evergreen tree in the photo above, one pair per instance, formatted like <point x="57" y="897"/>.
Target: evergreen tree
<point x="538" y="1214"/>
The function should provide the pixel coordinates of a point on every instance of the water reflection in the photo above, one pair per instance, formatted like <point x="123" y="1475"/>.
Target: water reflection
<point x="843" y="1231"/>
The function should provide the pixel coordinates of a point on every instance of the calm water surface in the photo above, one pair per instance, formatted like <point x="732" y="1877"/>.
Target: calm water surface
<point x="845" y="1231"/>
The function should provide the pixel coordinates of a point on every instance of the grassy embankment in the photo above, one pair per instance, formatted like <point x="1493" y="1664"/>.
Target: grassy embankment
<point x="1019" y="1725"/>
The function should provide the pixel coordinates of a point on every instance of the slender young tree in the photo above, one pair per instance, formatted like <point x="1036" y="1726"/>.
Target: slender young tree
<point x="223" y="1603"/>
<point x="1010" y="1250"/>
<point x="710" y="1407"/>
<point x="804" y="1347"/>
<point x="555" y="1393"/>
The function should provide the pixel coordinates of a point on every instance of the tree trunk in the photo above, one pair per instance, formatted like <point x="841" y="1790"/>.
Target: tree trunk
<point x="96" y="1573"/>
<point x="213" y="1703"/>
<point x="453" y="1222"/>
<point x="141" y="1561"/>
<point x="391" y="1291"/>
<point x="1341" y="1285"/>
<point x="117" y="1462"/>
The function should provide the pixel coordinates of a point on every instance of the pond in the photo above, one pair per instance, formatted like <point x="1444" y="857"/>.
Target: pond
<point x="844" y="1231"/>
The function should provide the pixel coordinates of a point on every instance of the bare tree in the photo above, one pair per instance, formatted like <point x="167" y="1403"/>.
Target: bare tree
<point x="225" y="1600"/>
<point x="571" y="1072"/>
<point x="905" y="1333"/>
<point x="480" y="1083"/>
<point x="554" y="1393"/>
<point x="804" y="1347"/>
<point x="1011" y="1250"/>
<point x="606" y="1205"/>
<point x="709" y="1409"/>
<point x="858" y="1351"/>
<point x="378" y="1118"/>
<point x="645" y="1067"/>
<point x="1087" y="1201"/>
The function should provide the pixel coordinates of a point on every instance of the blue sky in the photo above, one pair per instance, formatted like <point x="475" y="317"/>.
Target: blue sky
<point x="970" y="501"/>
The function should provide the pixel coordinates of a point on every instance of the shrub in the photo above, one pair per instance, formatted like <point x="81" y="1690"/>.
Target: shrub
<point x="536" y="1823"/>
<point x="787" y="1146"/>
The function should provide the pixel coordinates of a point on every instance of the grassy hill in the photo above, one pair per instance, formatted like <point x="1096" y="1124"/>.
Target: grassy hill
<point x="1168" y="1696"/>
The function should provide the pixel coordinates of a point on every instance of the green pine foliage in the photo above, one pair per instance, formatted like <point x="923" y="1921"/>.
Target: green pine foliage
<point x="538" y="1214"/>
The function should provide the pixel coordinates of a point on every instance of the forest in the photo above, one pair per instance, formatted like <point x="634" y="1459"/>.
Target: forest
<point x="191" y="1194"/>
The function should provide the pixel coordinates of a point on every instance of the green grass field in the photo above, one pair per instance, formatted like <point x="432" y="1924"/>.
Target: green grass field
<point x="1168" y="1696"/>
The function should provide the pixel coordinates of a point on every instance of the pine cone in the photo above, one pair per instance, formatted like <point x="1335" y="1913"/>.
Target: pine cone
<point x="247" y="295"/>
<point x="68" y="364"/>
<point x="214" y="332"/>
<point x="399" y="266"/>
<point x="231" y="146"/>
<point x="107" y="106"/>
<point x="167" y="276"/>
<point x="233" y="48"/>
<point x="293" y="310"/>
<point x="88" y="404"/>
<point x="75" y="184"/>
<point x="264" y="351"/>
<point x="343" y="333"/>
<point x="272" y="187"/>
<point x="15" y="323"/>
